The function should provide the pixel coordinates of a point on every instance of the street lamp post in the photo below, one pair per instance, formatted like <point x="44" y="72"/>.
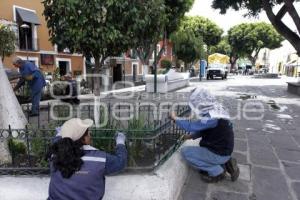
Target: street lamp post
<point x="155" y="71"/>
<point x="26" y="27"/>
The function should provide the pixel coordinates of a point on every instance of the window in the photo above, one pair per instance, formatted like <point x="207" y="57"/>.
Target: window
<point x="27" y="22"/>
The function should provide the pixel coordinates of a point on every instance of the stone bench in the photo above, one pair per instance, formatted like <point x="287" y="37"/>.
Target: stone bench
<point x="167" y="82"/>
<point x="294" y="87"/>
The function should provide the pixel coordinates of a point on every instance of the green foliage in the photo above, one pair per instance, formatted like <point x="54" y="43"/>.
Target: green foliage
<point x="16" y="147"/>
<point x="187" y="47"/>
<point x="7" y="41"/>
<point x="203" y="28"/>
<point x="139" y="126"/>
<point x="175" y="10"/>
<point x="249" y="38"/>
<point x="38" y="148"/>
<point x="160" y="19"/>
<point x="98" y="28"/>
<point x="254" y="7"/>
<point x="222" y="47"/>
<point x="166" y="64"/>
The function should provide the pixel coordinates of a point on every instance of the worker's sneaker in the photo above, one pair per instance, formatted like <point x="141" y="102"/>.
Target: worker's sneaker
<point x="213" y="179"/>
<point x="232" y="168"/>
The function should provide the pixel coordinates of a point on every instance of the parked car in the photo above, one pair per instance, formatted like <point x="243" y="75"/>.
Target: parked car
<point x="217" y="70"/>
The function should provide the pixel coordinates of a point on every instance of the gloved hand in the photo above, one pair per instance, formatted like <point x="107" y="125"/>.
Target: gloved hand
<point x="120" y="138"/>
<point x="58" y="130"/>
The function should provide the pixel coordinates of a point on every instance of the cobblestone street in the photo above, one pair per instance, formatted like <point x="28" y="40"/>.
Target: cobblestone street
<point x="267" y="149"/>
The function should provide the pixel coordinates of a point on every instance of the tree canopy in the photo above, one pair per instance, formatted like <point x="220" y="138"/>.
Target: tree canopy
<point x="256" y="6"/>
<point x="98" y="28"/>
<point x="247" y="39"/>
<point x="7" y="41"/>
<point x="203" y="28"/>
<point x="187" y="47"/>
<point x="222" y="47"/>
<point x="175" y="10"/>
<point x="161" y="19"/>
<point x="149" y="30"/>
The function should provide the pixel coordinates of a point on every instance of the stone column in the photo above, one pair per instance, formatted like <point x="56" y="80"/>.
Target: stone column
<point x="10" y="113"/>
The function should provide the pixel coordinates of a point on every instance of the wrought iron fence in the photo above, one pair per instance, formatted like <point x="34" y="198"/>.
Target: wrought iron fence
<point x="150" y="141"/>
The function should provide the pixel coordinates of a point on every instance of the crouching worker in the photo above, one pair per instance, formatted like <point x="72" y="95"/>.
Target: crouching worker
<point x="213" y="157"/>
<point x="77" y="169"/>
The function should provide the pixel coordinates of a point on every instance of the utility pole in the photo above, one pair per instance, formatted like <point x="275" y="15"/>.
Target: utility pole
<point x="155" y="70"/>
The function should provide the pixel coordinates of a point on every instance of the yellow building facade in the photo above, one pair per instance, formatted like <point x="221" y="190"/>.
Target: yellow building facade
<point x="27" y="20"/>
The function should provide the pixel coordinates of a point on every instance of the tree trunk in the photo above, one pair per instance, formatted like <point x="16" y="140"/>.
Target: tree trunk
<point x="252" y="60"/>
<point x="97" y="86"/>
<point x="96" y="77"/>
<point x="232" y="61"/>
<point x="10" y="113"/>
<point x="285" y="31"/>
<point x="144" y="58"/>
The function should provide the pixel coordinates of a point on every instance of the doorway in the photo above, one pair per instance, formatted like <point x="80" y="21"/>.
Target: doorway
<point x="134" y="72"/>
<point x="64" y="67"/>
<point x="117" y="73"/>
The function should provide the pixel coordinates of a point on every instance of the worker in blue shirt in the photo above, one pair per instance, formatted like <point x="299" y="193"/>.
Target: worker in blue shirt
<point x="78" y="170"/>
<point x="36" y="80"/>
<point x="213" y="157"/>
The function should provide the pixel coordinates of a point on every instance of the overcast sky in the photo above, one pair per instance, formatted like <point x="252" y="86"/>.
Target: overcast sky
<point x="231" y="18"/>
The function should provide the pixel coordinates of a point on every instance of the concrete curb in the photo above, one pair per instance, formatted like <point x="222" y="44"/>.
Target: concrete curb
<point x="164" y="184"/>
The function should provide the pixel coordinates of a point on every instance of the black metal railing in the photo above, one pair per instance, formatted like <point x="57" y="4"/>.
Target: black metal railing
<point x="150" y="141"/>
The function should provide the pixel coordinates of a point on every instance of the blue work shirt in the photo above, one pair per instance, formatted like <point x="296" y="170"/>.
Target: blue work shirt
<point x="38" y="81"/>
<point x="89" y="182"/>
<point x="196" y="126"/>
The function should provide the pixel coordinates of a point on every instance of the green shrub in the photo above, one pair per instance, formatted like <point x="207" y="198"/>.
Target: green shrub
<point x="166" y="64"/>
<point x="16" y="147"/>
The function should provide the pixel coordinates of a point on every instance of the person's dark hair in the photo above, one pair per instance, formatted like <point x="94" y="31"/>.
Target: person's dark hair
<point x="66" y="155"/>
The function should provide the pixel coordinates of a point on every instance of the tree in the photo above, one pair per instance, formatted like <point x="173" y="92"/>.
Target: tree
<point x="255" y="7"/>
<point x="7" y="41"/>
<point x="222" y="47"/>
<point x="99" y="28"/>
<point x="161" y="19"/>
<point x="203" y="28"/>
<point x="247" y="39"/>
<point x="146" y="38"/>
<point x="187" y="47"/>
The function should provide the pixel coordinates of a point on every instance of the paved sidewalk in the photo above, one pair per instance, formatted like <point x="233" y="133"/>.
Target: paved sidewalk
<point x="268" y="150"/>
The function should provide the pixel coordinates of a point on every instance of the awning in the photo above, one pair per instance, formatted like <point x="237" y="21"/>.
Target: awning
<point x="28" y="16"/>
<point x="218" y="58"/>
